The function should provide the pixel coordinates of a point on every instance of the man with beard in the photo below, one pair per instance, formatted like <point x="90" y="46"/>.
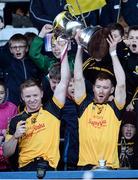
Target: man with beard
<point x="99" y="118"/>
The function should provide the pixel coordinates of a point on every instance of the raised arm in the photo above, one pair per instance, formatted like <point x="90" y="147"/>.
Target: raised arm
<point x="80" y="89"/>
<point x="61" y="89"/>
<point x="42" y="61"/>
<point x="120" y="89"/>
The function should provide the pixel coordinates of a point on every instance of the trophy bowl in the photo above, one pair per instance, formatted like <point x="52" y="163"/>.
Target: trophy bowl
<point x="66" y="25"/>
<point x="98" y="46"/>
<point x="92" y="39"/>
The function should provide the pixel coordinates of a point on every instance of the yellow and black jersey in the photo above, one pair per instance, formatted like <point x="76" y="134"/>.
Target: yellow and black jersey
<point x="91" y="68"/>
<point x="98" y="132"/>
<point x="42" y="134"/>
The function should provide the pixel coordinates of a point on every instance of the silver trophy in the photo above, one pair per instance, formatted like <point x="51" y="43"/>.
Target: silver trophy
<point x="92" y="38"/>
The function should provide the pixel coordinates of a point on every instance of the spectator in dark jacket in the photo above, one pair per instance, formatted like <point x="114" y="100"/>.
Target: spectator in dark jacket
<point x="16" y="66"/>
<point x="129" y="11"/>
<point x="109" y="12"/>
<point x="44" y="11"/>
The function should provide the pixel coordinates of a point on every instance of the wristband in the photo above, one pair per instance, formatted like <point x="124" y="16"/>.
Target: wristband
<point x="79" y="47"/>
<point x="113" y="53"/>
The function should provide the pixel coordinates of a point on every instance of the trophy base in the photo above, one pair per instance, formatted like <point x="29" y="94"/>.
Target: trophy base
<point x="102" y="168"/>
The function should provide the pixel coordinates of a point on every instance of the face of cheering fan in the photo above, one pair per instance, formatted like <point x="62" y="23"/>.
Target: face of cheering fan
<point x="133" y="41"/>
<point x="128" y="131"/>
<point x="58" y="46"/>
<point x="116" y="35"/>
<point x="18" y="49"/>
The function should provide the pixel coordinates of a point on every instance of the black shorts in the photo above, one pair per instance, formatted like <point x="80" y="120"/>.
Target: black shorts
<point x="33" y="166"/>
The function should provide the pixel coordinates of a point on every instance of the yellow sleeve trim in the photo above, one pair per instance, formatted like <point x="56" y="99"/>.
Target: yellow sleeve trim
<point x="87" y="62"/>
<point x="134" y="96"/>
<point x="60" y="105"/>
<point x="119" y="106"/>
<point x="103" y="69"/>
<point x="8" y="137"/>
<point x="79" y="101"/>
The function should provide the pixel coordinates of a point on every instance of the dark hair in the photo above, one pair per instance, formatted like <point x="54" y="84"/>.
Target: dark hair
<point x="105" y="76"/>
<point x="2" y="83"/>
<point x="129" y="117"/>
<point x="30" y="36"/>
<point x="1" y="18"/>
<point x="135" y="28"/>
<point x="54" y="71"/>
<point x="117" y="26"/>
<point x="18" y="37"/>
<point x="30" y="83"/>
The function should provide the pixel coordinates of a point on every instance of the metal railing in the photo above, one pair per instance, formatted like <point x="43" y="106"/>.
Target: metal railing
<point x="107" y="174"/>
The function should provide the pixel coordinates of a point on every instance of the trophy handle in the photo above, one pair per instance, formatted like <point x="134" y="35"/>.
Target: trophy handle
<point x="73" y="12"/>
<point x="72" y="9"/>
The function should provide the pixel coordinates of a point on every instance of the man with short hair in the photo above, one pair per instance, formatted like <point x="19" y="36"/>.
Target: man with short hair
<point x="36" y="130"/>
<point x="99" y="118"/>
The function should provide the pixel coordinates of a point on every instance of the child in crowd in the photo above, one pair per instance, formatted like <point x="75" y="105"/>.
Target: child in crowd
<point x="117" y="31"/>
<point x="42" y="60"/>
<point x="7" y="111"/>
<point x="17" y="66"/>
<point x="130" y="65"/>
<point x="126" y="141"/>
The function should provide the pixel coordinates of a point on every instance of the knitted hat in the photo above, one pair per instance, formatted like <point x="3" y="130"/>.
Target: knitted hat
<point x="129" y="117"/>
